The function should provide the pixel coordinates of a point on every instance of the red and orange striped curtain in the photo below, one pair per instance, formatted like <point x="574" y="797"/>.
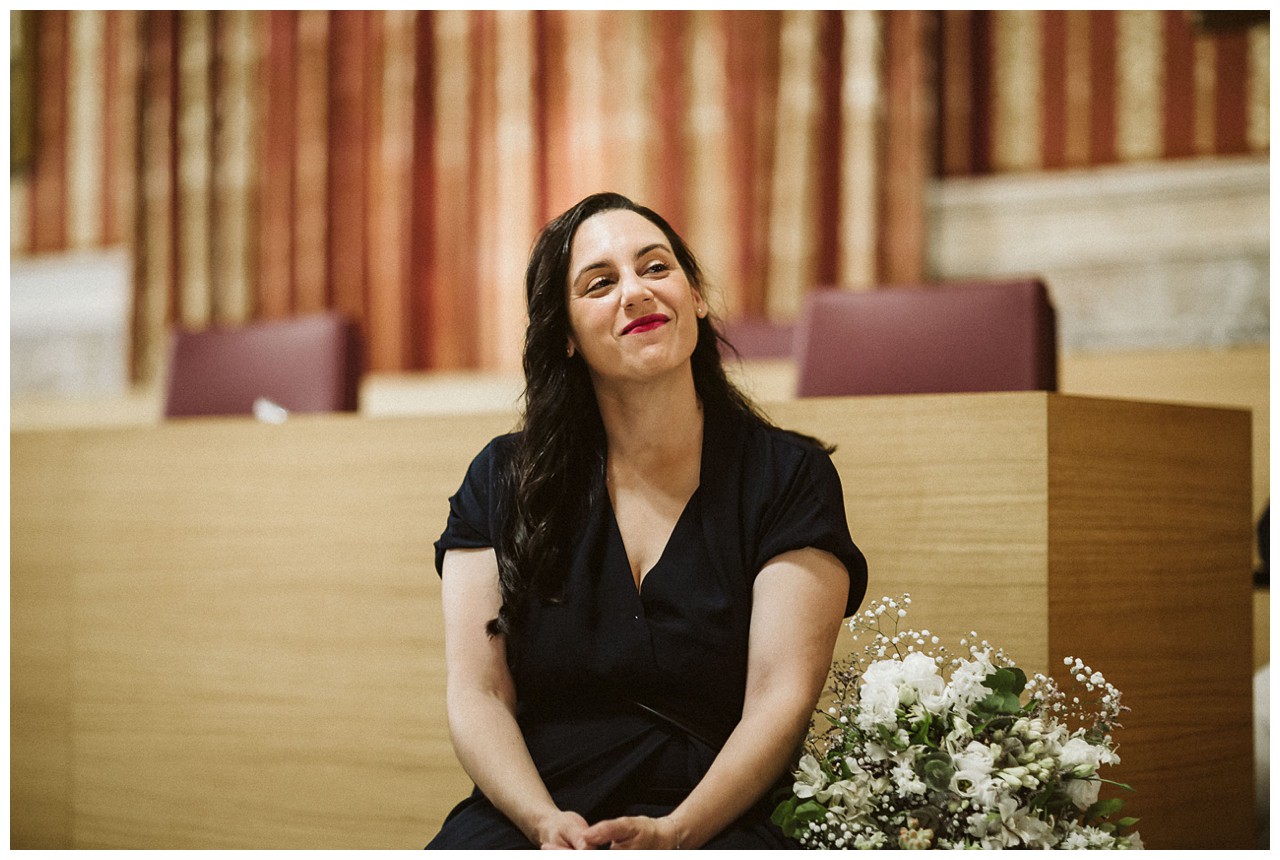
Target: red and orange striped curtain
<point x="395" y="165"/>
<point x="1028" y="91"/>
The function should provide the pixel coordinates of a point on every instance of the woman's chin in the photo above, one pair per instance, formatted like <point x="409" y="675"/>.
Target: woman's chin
<point x="649" y="367"/>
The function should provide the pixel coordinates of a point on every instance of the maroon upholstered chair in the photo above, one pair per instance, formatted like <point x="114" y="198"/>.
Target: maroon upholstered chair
<point x="753" y="337"/>
<point x="304" y="364"/>
<point x="928" y="339"/>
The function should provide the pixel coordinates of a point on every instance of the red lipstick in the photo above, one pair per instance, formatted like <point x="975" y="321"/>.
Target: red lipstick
<point x="645" y="323"/>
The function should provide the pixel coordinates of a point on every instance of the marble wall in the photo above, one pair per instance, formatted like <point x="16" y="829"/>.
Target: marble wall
<point x="1156" y="256"/>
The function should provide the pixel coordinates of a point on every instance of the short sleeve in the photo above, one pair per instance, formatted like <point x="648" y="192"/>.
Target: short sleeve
<point x="472" y="519"/>
<point x="809" y="512"/>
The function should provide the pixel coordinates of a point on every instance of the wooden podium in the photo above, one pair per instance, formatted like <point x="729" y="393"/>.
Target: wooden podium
<point x="226" y="634"/>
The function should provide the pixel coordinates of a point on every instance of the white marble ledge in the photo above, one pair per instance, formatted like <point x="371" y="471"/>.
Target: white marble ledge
<point x="1082" y="218"/>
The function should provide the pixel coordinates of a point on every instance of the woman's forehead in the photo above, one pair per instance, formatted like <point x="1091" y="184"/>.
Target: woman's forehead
<point x="615" y="231"/>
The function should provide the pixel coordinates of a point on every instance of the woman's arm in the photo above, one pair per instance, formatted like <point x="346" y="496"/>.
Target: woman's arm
<point x="797" y="604"/>
<point x="481" y="704"/>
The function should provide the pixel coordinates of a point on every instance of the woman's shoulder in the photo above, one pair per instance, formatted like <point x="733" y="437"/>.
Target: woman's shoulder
<point x="794" y="441"/>
<point x="502" y="445"/>
<point x="486" y="464"/>
<point x="767" y="457"/>
<point x="782" y="445"/>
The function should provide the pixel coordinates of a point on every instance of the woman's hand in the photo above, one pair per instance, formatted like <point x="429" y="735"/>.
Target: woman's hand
<point x="636" y="831"/>
<point x="563" y="830"/>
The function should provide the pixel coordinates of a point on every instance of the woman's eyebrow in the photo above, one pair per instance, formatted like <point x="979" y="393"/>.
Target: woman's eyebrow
<point x="598" y="264"/>
<point x="604" y="264"/>
<point x="647" y="248"/>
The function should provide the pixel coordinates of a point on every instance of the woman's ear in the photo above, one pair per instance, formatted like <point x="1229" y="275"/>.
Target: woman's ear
<point x="699" y="303"/>
<point x="570" y="348"/>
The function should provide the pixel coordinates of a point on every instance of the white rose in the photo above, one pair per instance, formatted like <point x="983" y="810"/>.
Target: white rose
<point x="927" y="686"/>
<point x="879" y="694"/>
<point x="1082" y="792"/>
<point x="1082" y="758"/>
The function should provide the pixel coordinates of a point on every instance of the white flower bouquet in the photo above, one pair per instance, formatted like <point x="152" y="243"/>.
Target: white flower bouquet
<point x="924" y="750"/>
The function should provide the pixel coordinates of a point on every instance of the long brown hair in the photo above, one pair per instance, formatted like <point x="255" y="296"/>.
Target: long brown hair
<point x="556" y="472"/>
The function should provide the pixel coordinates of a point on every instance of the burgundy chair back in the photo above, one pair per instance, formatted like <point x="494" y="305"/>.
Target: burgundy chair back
<point x="305" y="364"/>
<point x="756" y="338"/>
<point x="961" y="337"/>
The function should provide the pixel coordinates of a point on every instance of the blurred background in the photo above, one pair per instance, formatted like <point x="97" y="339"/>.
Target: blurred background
<point x="194" y="169"/>
<point x="395" y="165"/>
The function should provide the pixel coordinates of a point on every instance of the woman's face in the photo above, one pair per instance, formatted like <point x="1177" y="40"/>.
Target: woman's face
<point x="633" y="315"/>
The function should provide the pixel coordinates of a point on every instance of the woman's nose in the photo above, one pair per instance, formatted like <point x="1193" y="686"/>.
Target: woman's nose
<point x="633" y="290"/>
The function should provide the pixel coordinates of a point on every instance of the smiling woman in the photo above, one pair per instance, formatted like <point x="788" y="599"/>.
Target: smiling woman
<point x="642" y="587"/>
<point x="633" y="313"/>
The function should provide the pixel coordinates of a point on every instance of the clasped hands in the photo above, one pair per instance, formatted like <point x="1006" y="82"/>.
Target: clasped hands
<point x="569" y="830"/>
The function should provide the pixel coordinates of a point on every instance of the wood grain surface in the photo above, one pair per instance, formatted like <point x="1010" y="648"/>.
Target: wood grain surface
<point x="226" y="634"/>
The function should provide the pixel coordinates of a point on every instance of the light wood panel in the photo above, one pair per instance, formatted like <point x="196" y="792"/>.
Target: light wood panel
<point x="1238" y="377"/>
<point x="1115" y="531"/>
<point x="947" y="497"/>
<point x="1149" y="549"/>
<point x="227" y="634"/>
<point x="40" y="625"/>
<point x="255" y="635"/>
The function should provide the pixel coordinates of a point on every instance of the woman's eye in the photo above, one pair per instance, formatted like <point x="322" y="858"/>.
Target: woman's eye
<point x="656" y="267"/>
<point x="598" y="283"/>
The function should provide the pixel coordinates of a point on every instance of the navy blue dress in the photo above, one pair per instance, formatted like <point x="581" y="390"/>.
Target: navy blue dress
<point x="624" y="695"/>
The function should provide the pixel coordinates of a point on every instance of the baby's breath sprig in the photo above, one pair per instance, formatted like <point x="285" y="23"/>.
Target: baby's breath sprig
<point x="1092" y="701"/>
<point x="882" y="621"/>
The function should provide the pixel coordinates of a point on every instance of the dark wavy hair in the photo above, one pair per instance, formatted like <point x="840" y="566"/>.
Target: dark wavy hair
<point x="556" y="471"/>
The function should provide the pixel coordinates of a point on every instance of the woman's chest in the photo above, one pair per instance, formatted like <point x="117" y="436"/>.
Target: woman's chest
<point x="686" y="621"/>
<point x="647" y="513"/>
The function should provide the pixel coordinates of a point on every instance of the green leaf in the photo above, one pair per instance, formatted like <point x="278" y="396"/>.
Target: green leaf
<point x="936" y="769"/>
<point x="792" y="815"/>
<point x="1007" y="679"/>
<point x="1103" y="808"/>
<point x="1126" y="822"/>
<point x="810" y="810"/>
<point x="784" y="815"/>
<point x="890" y="738"/>
<point x="1001" y="702"/>
<point x="1123" y="785"/>
<point x="920" y="734"/>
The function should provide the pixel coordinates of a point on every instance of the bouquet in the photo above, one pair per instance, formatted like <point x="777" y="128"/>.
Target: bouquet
<point x="922" y="750"/>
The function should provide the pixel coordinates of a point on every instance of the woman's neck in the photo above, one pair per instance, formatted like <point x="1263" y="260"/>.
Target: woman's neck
<point x="657" y="423"/>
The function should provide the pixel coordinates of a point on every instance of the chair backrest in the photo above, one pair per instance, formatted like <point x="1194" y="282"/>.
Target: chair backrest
<point x="756" y="338"/>
<point x="305" y="364"/>
<point x="960" y="337"/>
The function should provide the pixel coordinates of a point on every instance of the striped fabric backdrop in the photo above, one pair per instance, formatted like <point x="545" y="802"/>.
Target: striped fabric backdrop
<point x="1043" y="90"/>
<point x="396" y="165"/>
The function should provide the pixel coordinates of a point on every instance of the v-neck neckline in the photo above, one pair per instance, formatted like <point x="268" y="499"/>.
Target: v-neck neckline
<point x="666" y="547"/>
<point x="708" y="430"/>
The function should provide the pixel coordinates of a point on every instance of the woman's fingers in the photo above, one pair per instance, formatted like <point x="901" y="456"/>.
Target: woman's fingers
<point x="637" y="831"/>
<point x="615" y="831"/>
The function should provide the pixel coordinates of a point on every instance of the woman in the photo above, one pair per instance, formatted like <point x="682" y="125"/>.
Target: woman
<point x="642" y="588"/>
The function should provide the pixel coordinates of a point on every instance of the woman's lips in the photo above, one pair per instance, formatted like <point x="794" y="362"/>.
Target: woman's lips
<point x="647" y="323"/>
